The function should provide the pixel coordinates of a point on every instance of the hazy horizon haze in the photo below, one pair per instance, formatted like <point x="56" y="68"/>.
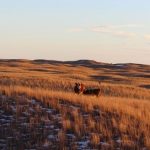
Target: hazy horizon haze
<point x="105" y="31"/>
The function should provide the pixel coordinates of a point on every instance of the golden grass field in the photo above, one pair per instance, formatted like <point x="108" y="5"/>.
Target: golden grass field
<point x="118" y="119"/>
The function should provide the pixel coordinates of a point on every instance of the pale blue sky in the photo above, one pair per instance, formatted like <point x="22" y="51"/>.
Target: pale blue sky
<point x="114" y="31"/>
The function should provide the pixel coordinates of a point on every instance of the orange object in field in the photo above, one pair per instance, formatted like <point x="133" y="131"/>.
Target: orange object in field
<point x="82" y="87"/>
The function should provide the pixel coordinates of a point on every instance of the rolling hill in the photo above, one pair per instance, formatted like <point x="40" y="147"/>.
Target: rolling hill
<point x="39" y="109"/>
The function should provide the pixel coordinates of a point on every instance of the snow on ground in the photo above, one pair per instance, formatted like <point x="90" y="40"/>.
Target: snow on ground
<point x="26" y="124"/>
<point x="33" y="125"/>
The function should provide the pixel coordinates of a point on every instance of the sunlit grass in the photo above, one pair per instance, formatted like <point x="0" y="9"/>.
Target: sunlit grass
<point x="123" y="107"/>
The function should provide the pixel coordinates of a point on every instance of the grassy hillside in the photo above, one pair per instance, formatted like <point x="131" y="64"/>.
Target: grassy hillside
<point x="119" y="118"/>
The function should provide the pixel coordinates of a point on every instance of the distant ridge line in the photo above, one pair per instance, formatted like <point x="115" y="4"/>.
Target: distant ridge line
<point x="85" y="62"/>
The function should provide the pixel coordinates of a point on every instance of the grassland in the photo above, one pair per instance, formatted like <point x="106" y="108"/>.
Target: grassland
<point x="118" y="119"/>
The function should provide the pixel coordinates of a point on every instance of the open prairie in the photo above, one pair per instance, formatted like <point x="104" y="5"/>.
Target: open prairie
<point x="39" y="109"/>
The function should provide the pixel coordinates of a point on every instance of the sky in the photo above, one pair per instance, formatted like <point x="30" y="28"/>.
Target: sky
<point x="112" y="31"/>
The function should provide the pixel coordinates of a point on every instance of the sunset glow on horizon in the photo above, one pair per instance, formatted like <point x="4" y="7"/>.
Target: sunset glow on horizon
<point x="110" y="31"/>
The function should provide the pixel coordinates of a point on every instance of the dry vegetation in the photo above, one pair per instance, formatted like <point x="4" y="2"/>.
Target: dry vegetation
<point x="39" y="110"/>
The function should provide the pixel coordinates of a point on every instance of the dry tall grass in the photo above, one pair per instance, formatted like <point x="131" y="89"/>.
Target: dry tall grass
<point x="120" y="117"/>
